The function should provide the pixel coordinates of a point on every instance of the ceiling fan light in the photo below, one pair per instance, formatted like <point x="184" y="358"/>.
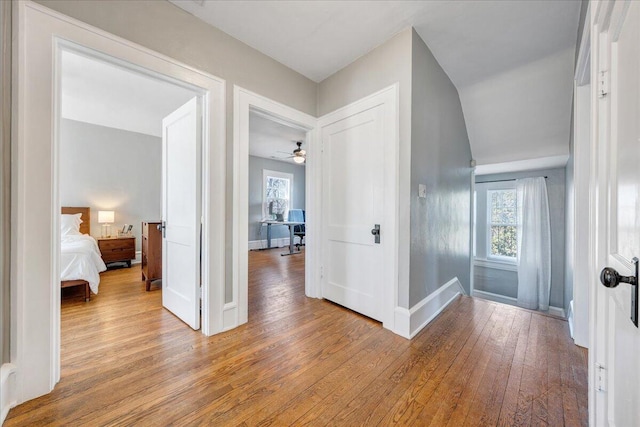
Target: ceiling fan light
<point x="298" y="159"/>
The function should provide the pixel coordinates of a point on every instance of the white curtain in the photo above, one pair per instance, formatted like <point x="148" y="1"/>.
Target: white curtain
<point x="534" y="244"/>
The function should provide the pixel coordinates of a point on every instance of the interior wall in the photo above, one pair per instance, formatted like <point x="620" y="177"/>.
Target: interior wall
<point x="5" y="178"/>
<point x="111" y="169"/>
<point x="384" y="66"/>
<point x="165" y="28"/>
<point x="441" y="160"/>
<point x="256" y="165"/>
<point x="556" y="194"/>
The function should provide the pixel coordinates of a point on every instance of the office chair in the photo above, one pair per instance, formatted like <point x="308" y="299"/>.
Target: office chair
<point x="298" y="215"/>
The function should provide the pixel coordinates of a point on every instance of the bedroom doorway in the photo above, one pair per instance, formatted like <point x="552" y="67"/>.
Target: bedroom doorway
<point x="41" y="37"/>
<point x="130" y="153"/>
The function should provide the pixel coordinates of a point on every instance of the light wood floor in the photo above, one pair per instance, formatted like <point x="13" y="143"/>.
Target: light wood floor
<point x="126" y="361"/>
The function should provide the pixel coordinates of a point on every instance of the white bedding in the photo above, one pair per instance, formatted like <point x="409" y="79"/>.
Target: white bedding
<point x="80" y="260"/>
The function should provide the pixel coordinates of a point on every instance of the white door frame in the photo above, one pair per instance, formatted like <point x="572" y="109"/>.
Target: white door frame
<point x="35" y="290"/>
<point x="245" y="101"/>
<point x="581" y="174"/>
<point x="605" y="20"/>
<point x="393" y="317"/>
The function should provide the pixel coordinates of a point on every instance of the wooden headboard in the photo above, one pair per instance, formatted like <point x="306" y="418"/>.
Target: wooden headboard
<point x="85" y="226"/>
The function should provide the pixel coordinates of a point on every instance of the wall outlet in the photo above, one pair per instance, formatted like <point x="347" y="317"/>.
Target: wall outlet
<point x="422" y="191"/>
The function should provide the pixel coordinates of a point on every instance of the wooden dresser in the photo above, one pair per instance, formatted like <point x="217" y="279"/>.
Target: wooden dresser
<point x="118" y="249"/>
<point x="151" y="252"/>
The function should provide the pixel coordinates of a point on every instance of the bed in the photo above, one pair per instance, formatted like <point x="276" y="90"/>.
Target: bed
<point x="80" y="260"/>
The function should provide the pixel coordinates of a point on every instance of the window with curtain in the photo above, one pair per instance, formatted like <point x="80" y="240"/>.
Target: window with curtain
<point x="502" y="215"/>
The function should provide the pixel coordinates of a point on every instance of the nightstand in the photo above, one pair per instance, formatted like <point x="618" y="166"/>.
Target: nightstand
<point x="117" y="249"/>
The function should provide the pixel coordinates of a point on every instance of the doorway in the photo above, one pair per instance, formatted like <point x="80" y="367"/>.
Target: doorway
<point x="113" y="168"/>
<point x="277" y="158"/>
<point x="250" y="107"/>
<point x="35" y="281"/>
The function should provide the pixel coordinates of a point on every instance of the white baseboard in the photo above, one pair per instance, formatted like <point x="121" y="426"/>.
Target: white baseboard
<point x="556" y="311"/>
<point x="408" y="323"/>
<point x="230" y="316"/>
<point x="570" y="318"/>
<point x="7" y="389"/>
<point x="262" y="244"/>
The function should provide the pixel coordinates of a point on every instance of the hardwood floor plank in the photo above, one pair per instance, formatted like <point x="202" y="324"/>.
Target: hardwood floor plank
<point x="554" y="383"/>
<point x="510" y="401"/>
<point x="405" y="385"/>
<point x="303" y="361"/>
<point x="431" y="376"/>
<point x="474" y="403"/>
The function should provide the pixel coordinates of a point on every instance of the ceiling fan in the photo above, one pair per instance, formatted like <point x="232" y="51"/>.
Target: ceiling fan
<point x="299" y="155"/>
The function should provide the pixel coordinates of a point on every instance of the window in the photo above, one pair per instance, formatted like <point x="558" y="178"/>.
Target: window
<point x="502" y="240"/>
<point x="277" y="189"/>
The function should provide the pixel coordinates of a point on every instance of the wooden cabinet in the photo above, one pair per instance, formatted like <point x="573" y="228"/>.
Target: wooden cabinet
<point x="151" y="252"/>
<point x="118" y="249"/>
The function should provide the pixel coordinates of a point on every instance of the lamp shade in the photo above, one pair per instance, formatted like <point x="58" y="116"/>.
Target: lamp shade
<point x="298" y="159"/>
<point x="106" y="217"/>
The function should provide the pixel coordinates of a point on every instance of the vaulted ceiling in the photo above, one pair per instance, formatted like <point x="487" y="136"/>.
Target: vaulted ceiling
<point x="512" y="61"/>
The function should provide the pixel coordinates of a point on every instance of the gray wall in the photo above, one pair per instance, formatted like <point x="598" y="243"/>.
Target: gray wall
<point x="496" y="281"/>
<point x="5" y="178"/>
<point x="506" y="284"/>
<point x="165" y="28"/>
<point x="111" y="169"/>
<point x="440" y="158"/>
<point x="256" y="166"/>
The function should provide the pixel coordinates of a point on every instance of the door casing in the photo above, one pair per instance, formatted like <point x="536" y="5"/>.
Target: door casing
<point x="41" y="36"/>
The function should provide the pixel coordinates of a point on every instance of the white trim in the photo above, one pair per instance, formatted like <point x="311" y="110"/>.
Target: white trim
<point x="570" y="318"/>
<point x="523" y="165"/>
<point x="389" y="98"/>
<point x="7" y="389"/>
<point x="409" y="322"/>
<point x="41" y="34"/>
<point x="497" y="265"/>
<point x="275" y="243"/>
<point x="244" y="102"/>
<point x="503" y="299"/>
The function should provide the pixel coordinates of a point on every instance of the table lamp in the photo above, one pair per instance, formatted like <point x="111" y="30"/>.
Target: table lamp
<point x="106" y="218"/>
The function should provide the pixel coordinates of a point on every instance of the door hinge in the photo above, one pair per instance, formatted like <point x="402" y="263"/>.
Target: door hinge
<point x="603" y="84"/>
<point x="321" y="272"/>
<point x="600" y="377"/>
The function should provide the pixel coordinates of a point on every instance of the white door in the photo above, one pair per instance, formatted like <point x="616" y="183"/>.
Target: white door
<point x="181" y="136"/>
<point x="616" y="362"/>
<point x="353" y="203"/>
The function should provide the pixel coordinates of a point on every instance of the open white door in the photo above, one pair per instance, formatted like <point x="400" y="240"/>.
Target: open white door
<point x="358" y="218"/>
<point x="181" y="212"/>
<point x="615" y="364"/>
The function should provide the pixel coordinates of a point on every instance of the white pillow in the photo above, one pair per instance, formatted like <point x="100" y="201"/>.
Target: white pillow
<point x="70" y="224"/>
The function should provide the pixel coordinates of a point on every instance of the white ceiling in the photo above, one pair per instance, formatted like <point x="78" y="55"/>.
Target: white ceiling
<point x="470" y="39"/>
<point x="272" y="140"/>
<point x="104" y="94"/>
<point x="478" y="43"/>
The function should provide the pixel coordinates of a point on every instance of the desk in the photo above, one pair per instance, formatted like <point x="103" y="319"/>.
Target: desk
<point x="290" y="224"/>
